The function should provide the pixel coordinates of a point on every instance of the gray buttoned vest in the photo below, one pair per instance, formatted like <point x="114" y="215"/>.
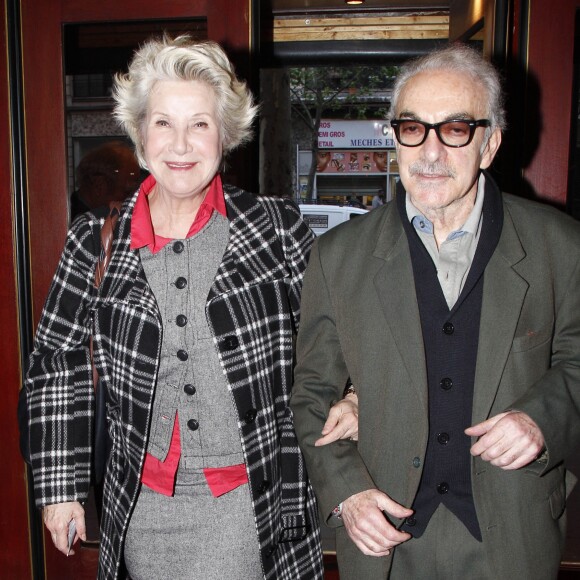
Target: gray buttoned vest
<point x="191" y="381"/>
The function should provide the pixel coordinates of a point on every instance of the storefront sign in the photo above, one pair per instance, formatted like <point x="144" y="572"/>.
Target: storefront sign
<point x="341" y="134"/>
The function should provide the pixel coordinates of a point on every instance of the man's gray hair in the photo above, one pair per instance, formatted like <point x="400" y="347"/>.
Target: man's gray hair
<point x="461" y="59"/>
<point x="168" y="59"/>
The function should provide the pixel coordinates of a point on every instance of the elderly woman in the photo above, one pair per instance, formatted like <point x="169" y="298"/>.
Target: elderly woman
<point x="193" y="332"/>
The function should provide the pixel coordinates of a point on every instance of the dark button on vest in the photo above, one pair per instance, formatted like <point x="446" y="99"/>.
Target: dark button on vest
<point x="443" y="487"/>
<point x="446" y="383"/>
<point x="410" y="521"/>
<point x="443" y="438"/>
<point x="193" y="425"/>
<point x="181" y="283"/>
<point x="231" y="342"/>
<point x="178" y="247"/>
<point x="189" y="389"/>
<point x="250" y="415"/>
<point x="181" y="320"/>
<point x="264" y="486"/>
<point x="182" y="355"/>
<point x="448" y="328"/>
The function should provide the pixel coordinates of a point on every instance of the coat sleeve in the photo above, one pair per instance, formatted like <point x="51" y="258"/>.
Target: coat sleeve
<point x="58" y="381"/>
<point x="296" y="239"/>
<point x="553" y="401"/>
<point x="337" y="471"/>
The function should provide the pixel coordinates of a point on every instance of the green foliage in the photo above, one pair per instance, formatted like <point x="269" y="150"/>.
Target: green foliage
<point x="357" y="92"/>
<point x="353" y="92"/>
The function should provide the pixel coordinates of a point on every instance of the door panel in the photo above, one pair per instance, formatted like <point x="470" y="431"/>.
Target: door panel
<point x="14" y="551"/>
<point x="46" y="148"/>
<point x="550" y="61"/>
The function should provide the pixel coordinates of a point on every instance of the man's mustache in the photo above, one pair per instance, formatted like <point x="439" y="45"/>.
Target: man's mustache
<point x="436" y="169"/>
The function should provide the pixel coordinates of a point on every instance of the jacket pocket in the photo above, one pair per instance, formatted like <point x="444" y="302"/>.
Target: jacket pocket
<point x="557" y="501"/>
<point x="557" y="498"/>
<point x="530" y="340"/>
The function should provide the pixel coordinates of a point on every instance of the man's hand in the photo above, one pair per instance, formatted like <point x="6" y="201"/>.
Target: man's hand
<point x="57" y="518"/>
<point x="342" y="422"/>
<point x="508" y="440"/>
<point x="367" y="525"/>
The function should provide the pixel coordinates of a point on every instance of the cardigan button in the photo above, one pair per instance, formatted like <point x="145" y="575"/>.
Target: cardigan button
<point x="443" y="438"/>
<point x="181" y="283"/>
<point x="193" y="425"/>
<point x="231" y="342"/>
<point x="250" y="415"/>
<point x="448" y="328"/>
<point x="264" y="486"/>
<point x="446" y="383"/>
<point x="181" y="320"/>
<point x="416" y="462"/>
<point x="178" y="247"/>
<point x="182" y="355"/>
<point x="189" y="389"/>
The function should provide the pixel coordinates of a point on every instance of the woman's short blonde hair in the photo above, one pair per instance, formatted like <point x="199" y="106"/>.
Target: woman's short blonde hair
<point x="168" y="59"/>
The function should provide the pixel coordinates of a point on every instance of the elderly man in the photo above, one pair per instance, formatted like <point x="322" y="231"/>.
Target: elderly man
<point x="455" y="310"/>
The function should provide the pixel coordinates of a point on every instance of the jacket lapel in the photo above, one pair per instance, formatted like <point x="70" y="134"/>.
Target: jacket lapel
<point x="504" y="291"/>
<point x="395" y="289"/>
<point x="253" y="253"/>
<point x="125" y="278"/>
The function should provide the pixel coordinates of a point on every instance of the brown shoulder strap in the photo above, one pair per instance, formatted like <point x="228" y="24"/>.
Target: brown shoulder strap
<point x="107" y="234"/>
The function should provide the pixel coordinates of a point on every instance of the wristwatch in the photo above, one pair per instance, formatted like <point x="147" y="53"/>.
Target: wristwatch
<point x="348" y="389"/>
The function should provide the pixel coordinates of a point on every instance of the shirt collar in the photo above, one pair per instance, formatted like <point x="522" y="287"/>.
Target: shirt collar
<point x="471" y="225"/>
<point x="142" y="233"/>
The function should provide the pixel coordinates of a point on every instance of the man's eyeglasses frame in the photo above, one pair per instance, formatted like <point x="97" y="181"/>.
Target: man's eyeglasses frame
<point x="473" y="125"/>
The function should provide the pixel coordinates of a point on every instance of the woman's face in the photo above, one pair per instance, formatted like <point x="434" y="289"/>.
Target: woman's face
<point x="181" y="137"/>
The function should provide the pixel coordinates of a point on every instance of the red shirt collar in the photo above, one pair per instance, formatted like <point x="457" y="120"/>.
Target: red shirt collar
<point x="142" y="233"/>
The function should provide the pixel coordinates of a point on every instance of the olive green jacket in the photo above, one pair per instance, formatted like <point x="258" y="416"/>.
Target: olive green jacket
<point x="360" y="319"/>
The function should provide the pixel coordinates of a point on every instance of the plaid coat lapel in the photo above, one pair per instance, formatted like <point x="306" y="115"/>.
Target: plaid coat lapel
<point x="253" y="253"/>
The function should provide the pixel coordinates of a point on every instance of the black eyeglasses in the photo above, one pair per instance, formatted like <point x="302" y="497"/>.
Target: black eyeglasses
<point x="412" y="133"/>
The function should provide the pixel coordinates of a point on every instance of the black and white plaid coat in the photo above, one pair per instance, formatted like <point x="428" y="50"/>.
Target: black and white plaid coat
<point x="253" y="310"/>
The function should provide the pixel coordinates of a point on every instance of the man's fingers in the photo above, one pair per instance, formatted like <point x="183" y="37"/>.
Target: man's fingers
<point x="342" y="423"/>
<point x="513" y="441"/>
<point x="332" y="420"/>
<point x="394" y="509"/>
<point x="483" y="427"/>
<point x="334" y="435"/>
<point x="367" y="525"/>
<point x="492" y="439"/>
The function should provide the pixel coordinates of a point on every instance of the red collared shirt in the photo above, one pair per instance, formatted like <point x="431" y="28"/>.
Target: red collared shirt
<point x="160" y="475"/>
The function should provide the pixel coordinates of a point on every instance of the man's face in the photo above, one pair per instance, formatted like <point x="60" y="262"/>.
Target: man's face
<point x="438" y="177"/>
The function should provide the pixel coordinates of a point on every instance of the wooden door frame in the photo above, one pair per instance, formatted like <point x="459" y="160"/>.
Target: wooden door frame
<point x="15" y="560"/>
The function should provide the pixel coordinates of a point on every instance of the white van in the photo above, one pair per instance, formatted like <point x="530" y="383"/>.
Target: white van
<point x="321" y="218"/>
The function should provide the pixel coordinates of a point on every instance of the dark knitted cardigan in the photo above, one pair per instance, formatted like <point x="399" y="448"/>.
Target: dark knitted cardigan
<point x="451" y="343"/>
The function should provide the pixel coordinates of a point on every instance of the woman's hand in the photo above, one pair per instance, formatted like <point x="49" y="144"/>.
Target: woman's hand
<point x="342" y="422"/>
<point x="57" y="518"/>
